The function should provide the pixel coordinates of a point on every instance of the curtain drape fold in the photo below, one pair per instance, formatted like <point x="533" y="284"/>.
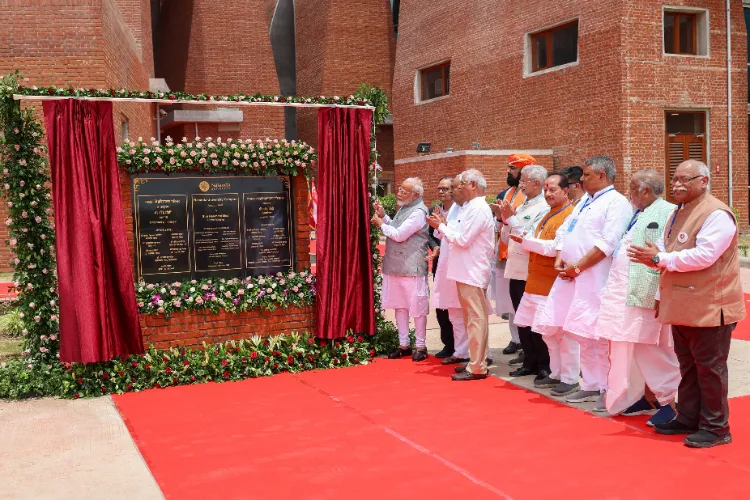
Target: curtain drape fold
<point x="98" y="311"/>
<point x="344" y="259"/>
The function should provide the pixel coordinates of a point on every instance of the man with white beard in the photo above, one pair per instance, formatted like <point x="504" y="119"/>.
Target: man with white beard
<point x="592" y="232"/>
<point x="405" y="286"/>
<point x="444" y="291"/>
<point x="640" y="346"/>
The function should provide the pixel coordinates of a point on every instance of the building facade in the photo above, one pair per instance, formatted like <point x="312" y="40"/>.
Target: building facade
<point x="642" y="81"/>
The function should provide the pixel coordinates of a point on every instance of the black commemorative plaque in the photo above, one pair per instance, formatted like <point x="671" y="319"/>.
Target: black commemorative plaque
<point x="194" y="226"/>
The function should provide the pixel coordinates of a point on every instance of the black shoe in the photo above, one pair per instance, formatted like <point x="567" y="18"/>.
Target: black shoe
<point x="674" y="427"/>
<point x="518" y="360"/>
<point x="488" y="361"/>
<point x="400" y="353"/>
<point x="419" y="355"/>
<point x="511" y="349"/>
<point x="542" y="375"/>
<point x="505" y="316"/>
<point x="452" y="360"/>
<point x="466" y="375"/>
<point x="445" y="353"/>
<point x="523" y="372"/>
<point x="706" y="439"/>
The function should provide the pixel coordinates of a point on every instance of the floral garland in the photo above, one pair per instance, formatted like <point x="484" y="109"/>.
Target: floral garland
<point x="167" y="97"/>
<point x="25" y="187"/>
<point x="269" y="157"/>
<point x="234" y="295"/>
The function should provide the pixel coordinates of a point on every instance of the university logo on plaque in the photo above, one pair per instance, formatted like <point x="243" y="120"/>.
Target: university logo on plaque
<point x="193" y="226"/>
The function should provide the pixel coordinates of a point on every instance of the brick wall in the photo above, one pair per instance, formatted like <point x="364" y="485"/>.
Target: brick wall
<point x="204" y="48"/>
<point x="83" y="43"/>
<point x="611" y="102"/>
<point x="340" y="45"/>
<point x="191" y="328"/>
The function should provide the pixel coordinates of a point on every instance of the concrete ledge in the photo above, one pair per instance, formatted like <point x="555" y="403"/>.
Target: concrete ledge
<point x="745" y="262"/>
<point x="475" y="152"/>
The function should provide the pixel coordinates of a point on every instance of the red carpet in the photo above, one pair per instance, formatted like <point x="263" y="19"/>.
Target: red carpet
<point x="742" y="332"/>
<point x="394" y="429"/>
<point x="5" y="292"/>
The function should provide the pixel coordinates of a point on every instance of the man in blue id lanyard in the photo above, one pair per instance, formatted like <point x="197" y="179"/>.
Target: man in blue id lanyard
<point x="592" y="232"/>
<point x="701" y="296"/>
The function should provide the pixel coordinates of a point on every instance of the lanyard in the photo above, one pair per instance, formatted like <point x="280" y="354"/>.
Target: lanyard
<point x="633" y="220"/>
<point x="592" y="200"/>
<point x="546" y="219"/>
<point x="671" y="224"/>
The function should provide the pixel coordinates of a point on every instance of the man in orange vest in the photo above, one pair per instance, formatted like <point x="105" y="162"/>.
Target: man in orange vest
<point x="500" y="285"/>
<point x="541" y="244"/>
<point x="701" y="296"/>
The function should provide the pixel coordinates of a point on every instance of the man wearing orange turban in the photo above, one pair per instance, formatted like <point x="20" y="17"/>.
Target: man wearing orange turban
<point x="499" y="285"/>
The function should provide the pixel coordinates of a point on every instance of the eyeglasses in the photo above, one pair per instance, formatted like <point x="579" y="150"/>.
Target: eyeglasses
<point x="403" y="191"/>
<point x="443" y="189"/>
<point x="684" y="180"/>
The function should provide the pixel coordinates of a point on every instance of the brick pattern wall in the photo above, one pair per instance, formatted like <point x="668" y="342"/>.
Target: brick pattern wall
<point x="78" y="43"/>
<point x="611" y="103"/>
<point x="202" y="48"/>
<point x="192" y="328"/>
<point x="340" y="45"/>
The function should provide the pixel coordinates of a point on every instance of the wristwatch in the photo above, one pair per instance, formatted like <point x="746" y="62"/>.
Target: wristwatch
<point x="576" y="269"/>
<point x="655" y="259"/>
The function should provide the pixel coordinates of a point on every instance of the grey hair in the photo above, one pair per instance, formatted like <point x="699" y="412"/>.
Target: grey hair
<point x="603" y="164"/>
<point x="701" y="167"/>
<point x="650" y="179"/>
<point x="474" y="175"/>
<point x="535" y="173"/>
<point x="417" y="183"/>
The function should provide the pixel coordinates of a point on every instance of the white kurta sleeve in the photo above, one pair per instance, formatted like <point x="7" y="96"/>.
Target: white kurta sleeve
<point x="462" y="236"/>
<point x="712" y="240"/>
<point x="416" y="221"/>
<point x="562" y="231"/>
<point x="616" y="222"/>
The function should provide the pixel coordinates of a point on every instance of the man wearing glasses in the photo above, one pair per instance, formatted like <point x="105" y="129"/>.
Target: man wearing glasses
<point x="701" y="296"/>
<point x="405" y="286"/>
<point x="472" y="241"/>
<point x="575" y="191"/>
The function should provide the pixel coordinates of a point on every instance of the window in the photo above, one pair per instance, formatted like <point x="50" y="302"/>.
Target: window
<point x="395" y="7"/>
<point x="686" y="140"/>
<point x="435" y="81"/>
<point x="686" y="32"/>
<point x="554" y="47"/>
<point x="680" y="33"/>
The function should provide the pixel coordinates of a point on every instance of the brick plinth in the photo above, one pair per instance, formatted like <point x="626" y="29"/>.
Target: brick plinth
<point x="192" y="328"/>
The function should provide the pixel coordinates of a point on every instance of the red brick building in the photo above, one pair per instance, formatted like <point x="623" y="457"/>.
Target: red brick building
<point x="643" y="81"/>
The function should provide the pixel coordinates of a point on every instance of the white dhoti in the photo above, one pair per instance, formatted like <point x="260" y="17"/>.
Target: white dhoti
<point x="640" y="347"/>
<point x="410" y="297"/>
<point x="499" y="292"/>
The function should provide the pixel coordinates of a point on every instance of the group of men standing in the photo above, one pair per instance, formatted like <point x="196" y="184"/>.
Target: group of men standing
<point x="636" y="298"/>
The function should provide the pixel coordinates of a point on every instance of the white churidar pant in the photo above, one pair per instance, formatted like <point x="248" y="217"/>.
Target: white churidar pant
<point x="460" y="337"/>
<point x="420" y="328"/>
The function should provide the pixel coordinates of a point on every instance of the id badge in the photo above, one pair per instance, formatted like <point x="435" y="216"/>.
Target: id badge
<point x="572" y="225"/>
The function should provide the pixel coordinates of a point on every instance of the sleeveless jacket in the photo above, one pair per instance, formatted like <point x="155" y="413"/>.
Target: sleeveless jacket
<point x="406" y="258"/>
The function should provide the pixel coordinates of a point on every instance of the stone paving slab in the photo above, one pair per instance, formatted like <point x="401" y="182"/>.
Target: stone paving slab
<point x="60" y="449"/>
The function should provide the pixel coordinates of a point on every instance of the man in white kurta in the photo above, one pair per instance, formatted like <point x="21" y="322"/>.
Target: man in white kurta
<point x="471" y="248"/>
<point x="640" y="348"/>
<point x="405" y="287"/>
<point x="593" y="231"/>
<point x="444" y="291"/>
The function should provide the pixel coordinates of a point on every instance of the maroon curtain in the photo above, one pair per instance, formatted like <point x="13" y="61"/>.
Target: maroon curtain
<point x="98" y="313"/>
<point x="344" y="258"/>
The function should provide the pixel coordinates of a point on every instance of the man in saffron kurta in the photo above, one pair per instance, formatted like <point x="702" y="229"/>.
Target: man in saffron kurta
<point x="640" y="347"/>
<point x="701" y="297"/>
<point x="405" y="286"/>
<point x="499" y="290"/>
<point x="541" y="244"/>
<point x="593" y="231"/>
